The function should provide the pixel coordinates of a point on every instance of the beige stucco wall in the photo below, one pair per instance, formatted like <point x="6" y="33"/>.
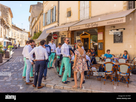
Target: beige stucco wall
<point x="49" y="5"/>
<point x="129" y="38"/>
<point x="64" y="5"/>
<point x="103" y="7"/>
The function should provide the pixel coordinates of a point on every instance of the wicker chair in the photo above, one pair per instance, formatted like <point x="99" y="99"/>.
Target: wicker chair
<point x="108" y="66"/>
<point x="124" y="70"/>
<point x="107" y="60"/>
<point x="122" y="60"/>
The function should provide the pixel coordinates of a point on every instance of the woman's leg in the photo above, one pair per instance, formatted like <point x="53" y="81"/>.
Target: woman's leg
<point x="82" y="77"/>
<point x="75" y="78"/>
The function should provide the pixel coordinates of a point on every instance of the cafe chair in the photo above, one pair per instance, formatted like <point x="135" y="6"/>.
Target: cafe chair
<point x="133" y="62"/>
<point x="97" y="59"/>
<point x="122" y="60"/>
<point x="108" y="67"/>
<point x="102" y="57"/>
<point x="108" y="60"/>
<point x="124" y="71"/>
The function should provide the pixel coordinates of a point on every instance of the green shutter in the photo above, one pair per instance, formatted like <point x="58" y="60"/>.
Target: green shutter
<point x="49" y="16"/>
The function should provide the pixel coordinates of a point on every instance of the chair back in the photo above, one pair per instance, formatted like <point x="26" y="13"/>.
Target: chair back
<point x="108" y="66"/>
<point x="102" y="56"/>
<point x="124" y="68"/>
<point x="122" y="60"/>
<point x="107" y="60"/>
<point x="97" y="59"/>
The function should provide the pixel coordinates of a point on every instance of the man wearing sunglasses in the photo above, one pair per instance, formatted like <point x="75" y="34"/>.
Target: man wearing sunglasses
<point x="66" y="59"/>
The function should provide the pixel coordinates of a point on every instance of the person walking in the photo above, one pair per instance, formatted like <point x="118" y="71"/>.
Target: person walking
<point x="80" y="64"/>
<point x="66" y="59"/>
<point x="52" y="56"/>
<point x="28" y="61"/>
<point x="40" y="56"/>
<point x="48" y="49"/>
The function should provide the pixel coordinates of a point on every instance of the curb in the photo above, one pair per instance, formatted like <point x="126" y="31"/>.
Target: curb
<point x="5" y="61"/>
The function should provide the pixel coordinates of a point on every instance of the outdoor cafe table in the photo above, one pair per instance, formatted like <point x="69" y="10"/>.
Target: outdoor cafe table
<point x="115" y="66"/>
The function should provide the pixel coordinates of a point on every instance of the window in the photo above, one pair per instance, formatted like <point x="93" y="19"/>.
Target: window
<point x="39" y="25"/>
<point x="131" y="4"/>
<point x="68" y="13"/>
<point x="0" y="13"/>
<point x="46" y="18"/>
<point x="52" y="15"/>
<point x="118" y="37"/>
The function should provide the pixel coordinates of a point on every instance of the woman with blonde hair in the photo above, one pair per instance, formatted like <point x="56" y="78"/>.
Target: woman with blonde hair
<point x="80" y="64"/>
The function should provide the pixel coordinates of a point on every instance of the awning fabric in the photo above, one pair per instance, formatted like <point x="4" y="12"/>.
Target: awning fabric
<point x="44" y="34"/>
<point x="62" y="27"/>
<point x="2" y="39"/>
<point x="109" y="19"/>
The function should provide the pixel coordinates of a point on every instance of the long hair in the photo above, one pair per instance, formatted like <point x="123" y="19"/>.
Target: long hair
<point x="126" y="51"/>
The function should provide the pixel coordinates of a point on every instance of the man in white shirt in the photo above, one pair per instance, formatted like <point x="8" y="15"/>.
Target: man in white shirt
<point x="58" y="53"/>
<point x="28" y="61"/>
<point x="66" y="59"/>
<point x="40" y="56"/>
<point x="52" y="55"/>
<point x="25" y="66"/>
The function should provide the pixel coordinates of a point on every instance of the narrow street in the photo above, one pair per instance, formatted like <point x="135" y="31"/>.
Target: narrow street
<point x="15" y="83"/>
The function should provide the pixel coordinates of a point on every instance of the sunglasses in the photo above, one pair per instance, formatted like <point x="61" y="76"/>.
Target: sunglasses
<point x="67" y="40"/>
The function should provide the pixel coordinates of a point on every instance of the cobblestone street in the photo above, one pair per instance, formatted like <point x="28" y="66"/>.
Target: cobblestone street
<point x="15" y="83"/>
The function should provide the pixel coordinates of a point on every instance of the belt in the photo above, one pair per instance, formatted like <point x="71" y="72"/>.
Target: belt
<point x="27" y="58"/>
<point x="52" y="52"/>
<point x="65" y="56"/>
<point x="39" y="60"/>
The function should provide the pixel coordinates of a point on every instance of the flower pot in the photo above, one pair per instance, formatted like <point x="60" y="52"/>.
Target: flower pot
<point x="7" y="54"/>
<point x="1" y="59"/>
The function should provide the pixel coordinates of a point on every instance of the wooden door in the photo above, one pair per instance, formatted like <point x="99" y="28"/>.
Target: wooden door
<point x="101" y="40"/>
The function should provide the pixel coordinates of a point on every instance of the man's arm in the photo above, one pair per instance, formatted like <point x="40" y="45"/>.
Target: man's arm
<point x="46" y="55"/>
<point x="31" y="55"/>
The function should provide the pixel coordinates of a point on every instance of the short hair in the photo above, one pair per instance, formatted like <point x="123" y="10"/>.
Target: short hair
<point x="42" y="42"/>
<point x="80" y="44"/>
<point x="78" y="40"/>
<point x="30" y="41"/>
<point x="65" y="38"/>
<point x="27" y="42"/>
<point x="108" y="50"/>
<point x="60" y="44"/>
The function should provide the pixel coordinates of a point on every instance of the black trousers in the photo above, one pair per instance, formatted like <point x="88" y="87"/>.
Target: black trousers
<point x="39" y="66"/>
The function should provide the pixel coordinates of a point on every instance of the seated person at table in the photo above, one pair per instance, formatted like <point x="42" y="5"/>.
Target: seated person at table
<point x="88" y="61"/>
<point x="93" y="60"/>
<point x="125" y="55"/>
<point x="108" y="55"/>
<point x="88" y="52"/>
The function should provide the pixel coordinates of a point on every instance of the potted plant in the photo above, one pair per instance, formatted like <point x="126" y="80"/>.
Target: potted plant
<point x="1" y="53"/>
<point x="10" y="48"/>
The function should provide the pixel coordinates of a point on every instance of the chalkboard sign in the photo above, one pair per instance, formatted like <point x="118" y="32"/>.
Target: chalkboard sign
<point x="118" y="37"/>
<point x="100" y="46"/>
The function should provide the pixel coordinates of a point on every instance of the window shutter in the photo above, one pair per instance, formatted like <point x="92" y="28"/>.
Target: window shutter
<point x="82" y="8"/>
<point x="54" y="14"/>
<point x="44" y="19"/>
<point x="86" y="9"/>
<point x="49" y="16"/>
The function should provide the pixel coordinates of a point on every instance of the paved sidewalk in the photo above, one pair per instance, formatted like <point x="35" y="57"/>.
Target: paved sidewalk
<point x="90" y="85"/>
<point x="6" y="59"/>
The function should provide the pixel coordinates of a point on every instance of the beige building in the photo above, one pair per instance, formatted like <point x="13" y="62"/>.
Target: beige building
<point x="100" y="25"/>
<point x="50" y="19"/>
<point x="5" y="24"/>
<point x="35" y="15"/>
<point x="20" y="36"/>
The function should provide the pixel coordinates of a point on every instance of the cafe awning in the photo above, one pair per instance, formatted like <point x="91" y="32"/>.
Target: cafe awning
<point x="62" y="27"/>
<point x="109" y="19"/>
<point x="44" y="34"/>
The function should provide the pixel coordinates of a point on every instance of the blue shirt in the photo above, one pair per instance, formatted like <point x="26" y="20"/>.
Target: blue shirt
<point x="108" y="55"/>
<point x="124" y="56"/>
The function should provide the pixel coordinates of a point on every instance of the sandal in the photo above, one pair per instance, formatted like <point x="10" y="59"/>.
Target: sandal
<point x="74" y="87"/>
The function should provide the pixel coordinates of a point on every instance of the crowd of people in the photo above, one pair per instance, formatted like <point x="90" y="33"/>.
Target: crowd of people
<point x="75" y="61"/>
